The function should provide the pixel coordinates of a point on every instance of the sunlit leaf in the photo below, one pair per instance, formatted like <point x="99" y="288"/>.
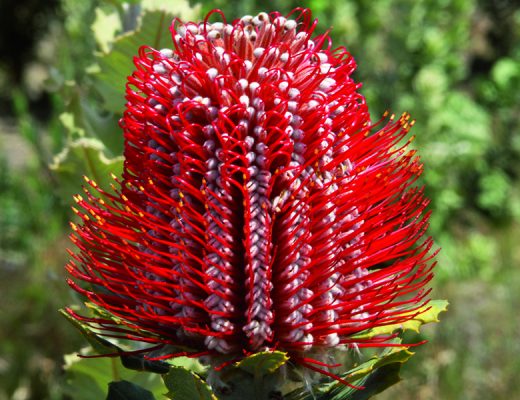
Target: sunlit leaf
<point x="427" y="314"/>
<point x="183" y="384"/>
<point x="180" y="8"/>
<point x="263" y="363"/>
<point x="117" y="64"/>
<point x="105" y="27"/>
<point x="379" y="372"/>
<point x="190" y="363"/>
<point x="99" y="344"/>
<point x="85" y="156"/>
<point x="374" y="375"/>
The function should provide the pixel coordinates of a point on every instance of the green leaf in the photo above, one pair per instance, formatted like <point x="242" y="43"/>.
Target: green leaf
<point x="180" y="8"/>
<point x="84" y="119"/>
<point x="85" y="156"/>
<point x="427" y="314"/>
<point x="374" y="383"/>
<point x="186" y="385"/>
<point x="105" y="27"/>
<point x="140" y="363"/>
<point x="391" y="356"/>
<point x="374" y="375"/>
<point x="263" y="363"/>
<point x="504" y="71"/>
<point x="84" y="380"/>
<point x="88" y="378"/>
<point x="116" y="65"/>
<point x="100" y="345"/>
<point x="124" y="390"/>
<point x="189" y="363"/>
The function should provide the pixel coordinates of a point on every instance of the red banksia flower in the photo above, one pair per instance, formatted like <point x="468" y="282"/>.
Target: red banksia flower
<point x="259" y="207"/>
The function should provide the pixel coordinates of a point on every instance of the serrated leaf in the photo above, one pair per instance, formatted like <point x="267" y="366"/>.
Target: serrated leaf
<point x="189" y="363"/>
<point x="100" y="345"/>
<point x="106" y="25"/>
<point x="180" y="8"/>
<point x="83" y="119"/>
<point x="395" y="355"/>
<point x="263" y="363"/>
<point x="186" y="385"/>
<point x="116" y="65"/>
<point x="375" y="374"/>
<point x="427" y="314"/>
<point x="85" y="156"/>
<point x="136" y="362"/>
<point x="374" y="383"/>
<point x="124" y="390"/>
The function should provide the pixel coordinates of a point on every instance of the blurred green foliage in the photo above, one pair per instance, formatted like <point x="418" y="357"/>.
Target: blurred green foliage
<point x="453" y="64"/>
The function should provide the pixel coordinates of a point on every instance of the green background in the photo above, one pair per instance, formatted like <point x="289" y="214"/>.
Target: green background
<point x="453" y="64"/>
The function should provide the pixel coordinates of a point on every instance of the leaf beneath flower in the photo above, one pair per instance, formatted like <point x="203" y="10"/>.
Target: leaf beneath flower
<point x="124" y="390"/>
<point x="427" y="314"/>
<point x="379" y="372"/>
<point x="186" y="385"/>
<point x="263" y="363"/>
<point x="88" y="378"/>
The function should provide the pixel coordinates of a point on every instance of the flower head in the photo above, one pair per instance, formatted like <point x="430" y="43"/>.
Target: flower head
<point x="259" y="206"/>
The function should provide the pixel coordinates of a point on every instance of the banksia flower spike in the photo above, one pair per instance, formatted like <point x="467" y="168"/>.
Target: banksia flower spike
<point x="259" y="207"/>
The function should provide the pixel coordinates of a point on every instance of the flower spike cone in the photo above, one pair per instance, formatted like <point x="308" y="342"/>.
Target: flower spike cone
<point x="260" y="209"/>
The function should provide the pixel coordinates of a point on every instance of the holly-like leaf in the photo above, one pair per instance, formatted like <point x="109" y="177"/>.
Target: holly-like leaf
<point x="374" y="375"/>
<point x="189" y="363"/>
<point x="153" y="30"/>
<point x="427" y="314"/>
<point x="391" y="356"/>
<point x="180" y="8"/>
<point x="263" y="363"/>
<point x="84" y="119"/>
<point x="124" y="390"/>
<point x="379" y="372"/>
<point x="183" y="384"/>
<point x="380" y="379"/>
<point x="100" y="345"/>
<point x="105" y="26"/>
<point x="85" y="156"/>
<point x="117" y="64"/>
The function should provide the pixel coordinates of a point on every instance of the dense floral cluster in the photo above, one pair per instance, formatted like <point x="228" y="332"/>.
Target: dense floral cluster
<point x="259" y="206"/>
